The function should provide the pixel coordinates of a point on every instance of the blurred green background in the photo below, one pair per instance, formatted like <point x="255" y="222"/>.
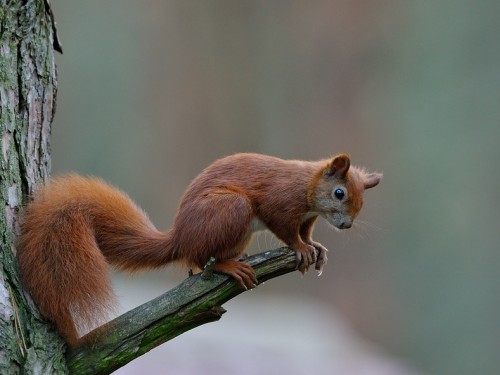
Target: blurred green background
<point x="151" y="92"/>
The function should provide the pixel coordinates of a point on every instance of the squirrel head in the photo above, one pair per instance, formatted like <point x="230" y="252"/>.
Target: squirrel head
<point x="337" y="194"/>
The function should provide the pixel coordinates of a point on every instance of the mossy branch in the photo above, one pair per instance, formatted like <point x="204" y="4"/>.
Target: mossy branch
<point x="194" y="302"/>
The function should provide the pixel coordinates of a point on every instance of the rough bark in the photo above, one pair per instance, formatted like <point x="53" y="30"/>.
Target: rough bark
<point x="28" y="89"/>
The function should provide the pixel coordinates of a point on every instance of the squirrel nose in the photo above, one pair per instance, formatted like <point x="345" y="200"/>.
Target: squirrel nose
<point x="345" y="225"/>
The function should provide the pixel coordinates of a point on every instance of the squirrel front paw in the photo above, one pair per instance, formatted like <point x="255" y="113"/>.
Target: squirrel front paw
<point x="321" y="259"/>
<point x="305" y="255"/>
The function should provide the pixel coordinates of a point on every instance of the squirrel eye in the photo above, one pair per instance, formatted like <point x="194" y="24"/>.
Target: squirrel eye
<point x="339" y="194"/>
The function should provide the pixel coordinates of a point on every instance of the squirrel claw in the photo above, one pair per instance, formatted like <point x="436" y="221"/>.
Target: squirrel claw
<point x="322" y="259"/>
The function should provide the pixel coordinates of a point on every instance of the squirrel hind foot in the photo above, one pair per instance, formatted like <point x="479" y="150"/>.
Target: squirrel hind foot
<point x="242" y="272"/>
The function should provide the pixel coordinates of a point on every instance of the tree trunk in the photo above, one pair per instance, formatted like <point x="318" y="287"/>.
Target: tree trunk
<point x="28" y="89"/>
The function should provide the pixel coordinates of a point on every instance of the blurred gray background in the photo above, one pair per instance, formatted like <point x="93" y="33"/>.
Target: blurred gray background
<point x="151" y="92"/>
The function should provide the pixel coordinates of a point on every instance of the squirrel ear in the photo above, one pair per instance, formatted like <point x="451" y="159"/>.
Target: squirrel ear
<point x="371" y="180"/>
<point x="339" y="166"/>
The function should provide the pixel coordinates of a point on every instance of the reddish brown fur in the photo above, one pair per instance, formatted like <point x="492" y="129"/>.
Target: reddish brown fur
<point x="75" y="226"/>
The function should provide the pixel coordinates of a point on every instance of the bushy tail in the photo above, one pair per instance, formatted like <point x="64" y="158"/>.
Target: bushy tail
<point x="64" y="270"/>
<point x="72" y="230"/>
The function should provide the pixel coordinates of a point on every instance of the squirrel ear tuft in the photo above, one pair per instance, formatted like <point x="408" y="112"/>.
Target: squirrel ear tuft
<point x="371" y="180"/>
<point x="339" y="166"/>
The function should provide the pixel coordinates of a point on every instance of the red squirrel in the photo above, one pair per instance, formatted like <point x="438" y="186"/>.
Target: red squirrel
<point x="76" y="227"/>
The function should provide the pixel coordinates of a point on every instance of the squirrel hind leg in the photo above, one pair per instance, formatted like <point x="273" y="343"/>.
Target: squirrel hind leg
<point x="218" y="225"/>
<point x="215" y="225"/>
